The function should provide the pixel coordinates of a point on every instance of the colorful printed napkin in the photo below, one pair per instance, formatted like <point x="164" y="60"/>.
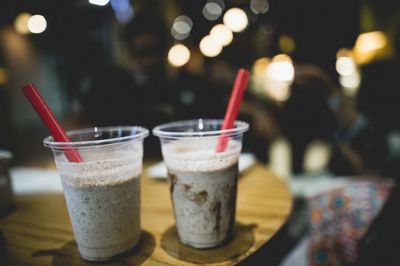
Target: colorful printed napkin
<point x="340" y="217"/>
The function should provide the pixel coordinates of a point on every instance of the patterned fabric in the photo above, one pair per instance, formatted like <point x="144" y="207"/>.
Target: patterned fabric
<point x="340" y="217"/>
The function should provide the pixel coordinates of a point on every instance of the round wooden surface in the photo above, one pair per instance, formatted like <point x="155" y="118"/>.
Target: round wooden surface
<point x="38" y="231"/>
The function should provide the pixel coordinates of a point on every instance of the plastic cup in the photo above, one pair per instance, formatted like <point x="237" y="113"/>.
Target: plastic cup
<point x="103" y="191"/>
<point x="203" y="182"/>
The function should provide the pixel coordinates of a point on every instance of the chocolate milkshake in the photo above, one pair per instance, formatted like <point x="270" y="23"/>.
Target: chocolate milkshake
<point x="203" y="187"/>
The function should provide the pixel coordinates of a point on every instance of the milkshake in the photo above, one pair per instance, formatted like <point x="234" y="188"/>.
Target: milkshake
<point x="203" y="186"/>
<point x="105" y="214"/>
<point x="103" y="196"/>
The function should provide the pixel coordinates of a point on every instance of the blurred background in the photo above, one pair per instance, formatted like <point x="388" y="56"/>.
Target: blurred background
<point x="323" y="92"/>
<point x="322" y="102"/>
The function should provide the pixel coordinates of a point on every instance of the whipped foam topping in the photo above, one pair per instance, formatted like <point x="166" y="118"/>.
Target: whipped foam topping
<point x="199" y="155"/>
<point x="109" y="171"/>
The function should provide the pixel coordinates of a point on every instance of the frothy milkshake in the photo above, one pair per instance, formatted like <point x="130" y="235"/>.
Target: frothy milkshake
<point x="103" y="199"/>
<point x="102" y="188"/>
<point x="203" y="187"/>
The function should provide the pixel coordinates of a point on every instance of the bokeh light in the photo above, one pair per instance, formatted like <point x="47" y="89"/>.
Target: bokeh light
<point x="371" y="41"/>
<point x="345" y="66"/>
<point x="99" y="2"/>
<point x="212" y="10"/>
<point x="349" y="74"/>
<point x="236" y="19"/>
<point x="21" y="23"/>
<point x="369" y="46"/>
<point x="178" y="55"/>
<point x="281" y="68"/>
<point x="37" y="24"/>
<point x="286" y="44"/>
<point x="278" y="91"/>
<point x="123" y="10"/>
<point x="221" y="34"/>
<point x="258" y="77"/>
<point x="259" y="6"/>
<point x="350" y="83"/>
<point x="120" y="5"/>
<point x="345" y="63"/>
<point x="209" y="47"/>
<point x="125" y="16"/>
<point x="3" y="76"/>
<point x="260" y="66"/>
<point x="181" y="27"/>
<point x="279" y="77"/>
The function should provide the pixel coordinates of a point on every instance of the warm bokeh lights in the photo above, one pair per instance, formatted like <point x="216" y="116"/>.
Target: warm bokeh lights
<point x="258" y="77"/>
<point x="21" y="23"/>
<point x="3" y="76"/>
<point x="345" y="66"/>
<point x="279" y="77"/>
<point x="350" y="83"/>
<point x="369" y="45"/>
<point x="281" y="68"/>
<point x="99" y="2"/>
<point x="221" y="34"/>
<point x="371" y="41"/>
<point x="349" y="75"/>
<point x="273" y="78"/>
<point x="209" y="47"/>
<point x="37" y="24"/>
<point x="236" y="19"/>
<point x="178" y="55"/>
<point x="286" y="44"/>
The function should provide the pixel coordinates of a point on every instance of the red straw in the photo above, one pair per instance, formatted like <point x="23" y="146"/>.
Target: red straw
<point x="48" y="118"/>
<point x="232" y="111"/>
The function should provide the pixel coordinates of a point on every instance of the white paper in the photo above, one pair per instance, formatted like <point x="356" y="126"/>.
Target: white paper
<point x="159" y="170"/>
<point x="30" y="180"/>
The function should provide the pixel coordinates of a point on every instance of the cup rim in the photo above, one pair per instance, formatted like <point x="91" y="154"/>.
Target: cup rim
<point x="162" y="132"/>
<point x="139" y="133"/>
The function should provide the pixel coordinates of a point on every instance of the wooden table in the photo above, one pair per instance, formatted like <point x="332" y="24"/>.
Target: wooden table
<point x="39" y="232"/>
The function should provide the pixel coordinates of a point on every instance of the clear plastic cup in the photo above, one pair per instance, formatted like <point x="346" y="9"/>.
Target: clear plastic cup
<point x="103" y="191"/>
<point x="203" y="182"/>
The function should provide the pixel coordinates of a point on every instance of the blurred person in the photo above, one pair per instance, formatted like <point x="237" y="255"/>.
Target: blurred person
<point x="122" y="96"/>
<point x="306" y="115"/>
<point x="261" y="115"/>
<point x="263" y="118"/>
<point x="378" y="101"/>
<point x="140" y="94"/>
<point x="379" y="93"/>
<point x="25" y="62"/>
<point x="319" y="30"/>
<point x="146" y="92"/>
<point x="357" y="147"/>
